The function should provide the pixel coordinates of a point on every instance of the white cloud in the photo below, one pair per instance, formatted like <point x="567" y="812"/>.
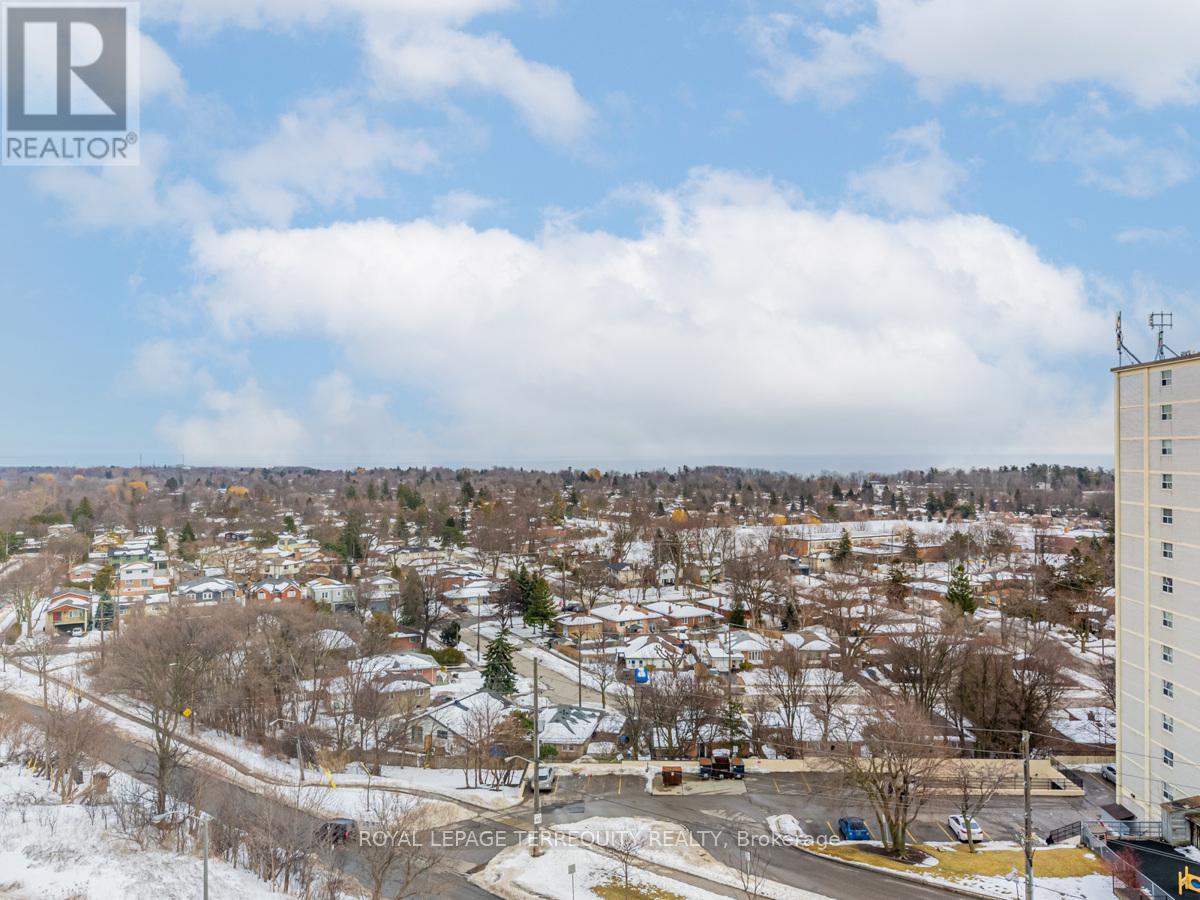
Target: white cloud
<point x="210" y="14"/>
<point x="160" y="74"/>
<point x="1021" y="48"/>
<point x="917" y="177"/>
<point x="830" y="74"/>
<point x="461" y="206"/>
<point x="323" y="153"/>
<point x="332" y="426"/>
<point x="425" y="63"/>
<point x="1175" y="235"/>
<point x="1131" y="166"/>
<point x="720" y="329"/>
<point x="128" y="197"/>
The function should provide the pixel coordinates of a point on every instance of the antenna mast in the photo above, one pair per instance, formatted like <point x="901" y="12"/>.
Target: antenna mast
<point x="1121" y="348"/>
<point x="1160" y="321"/>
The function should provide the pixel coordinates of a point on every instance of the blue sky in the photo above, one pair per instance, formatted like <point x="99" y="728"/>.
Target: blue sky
<point x="546" y="233"/>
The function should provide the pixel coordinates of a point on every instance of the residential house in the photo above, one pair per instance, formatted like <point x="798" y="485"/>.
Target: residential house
<point x="625" y="618"/>
<point x="390" y="664"/>
<point x="83" y="573"/>
<point x="275" y="590"/>
<point x="573" y="626"/>
<point x="330" y="592"/>
<point x="652" y="651"/>
<point x="68" y="610"/>
<point x="568" y="729"/>
<point x="682" y="614"/>
<point x="208" y="590"/>
<point x="449" y="725"/>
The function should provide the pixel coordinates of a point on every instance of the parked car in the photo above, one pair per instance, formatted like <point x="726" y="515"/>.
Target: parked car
<point x="958" y="826"/>
<point x="1109" y="773"/>
<point x="852" y="828"/>
<point x="337" y="831"/>
<point x="722" y="767"/>
<point x="546" y="779"/>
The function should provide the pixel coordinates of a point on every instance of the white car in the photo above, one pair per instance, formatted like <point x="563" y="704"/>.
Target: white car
<point x="1109" y="773"/>
<point x="958" y="826"/>
<point x="546" y="779"/>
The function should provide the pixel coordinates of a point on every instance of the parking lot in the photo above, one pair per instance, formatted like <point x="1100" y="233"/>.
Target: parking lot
<point x="817" y="800"/>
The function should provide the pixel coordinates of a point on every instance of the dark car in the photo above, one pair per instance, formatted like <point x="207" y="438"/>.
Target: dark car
<point x="337" y="831"/>
<point x="852" y="828"/>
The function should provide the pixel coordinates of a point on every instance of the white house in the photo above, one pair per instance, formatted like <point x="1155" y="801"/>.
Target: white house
<point x="330" y="591"/>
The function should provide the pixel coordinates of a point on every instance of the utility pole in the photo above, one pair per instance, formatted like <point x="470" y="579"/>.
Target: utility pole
<point x="537" y="765"/>
<point x="204" y="820"/>
<point x="579" y="664"/>
<point x="1028" y="836"/>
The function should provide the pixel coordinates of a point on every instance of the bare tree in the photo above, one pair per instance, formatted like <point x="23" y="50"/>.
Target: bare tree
<point x="626" y="845"/>
<point x="903" y="754"/>
<point x="157" y="662"/>
<point x="974" y="782"/>
<point x="73" y="732"/>
<point x="601" y="664"/>
<point x="26" y="584"/>
<point x="394" y="856"/>
<point x="785" y="682"/>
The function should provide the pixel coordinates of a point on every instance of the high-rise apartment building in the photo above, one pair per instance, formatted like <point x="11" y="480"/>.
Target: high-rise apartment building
<point x="1158" y="583"/>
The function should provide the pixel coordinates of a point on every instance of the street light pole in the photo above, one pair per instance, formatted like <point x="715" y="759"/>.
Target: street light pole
<point x="537" y="764"/>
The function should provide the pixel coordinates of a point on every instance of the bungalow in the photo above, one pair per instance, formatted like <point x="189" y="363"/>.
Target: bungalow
<point x="450" y="725"/>
<point x="331" y="592"/>
<point x="682" y="614"/>
<point x="568" y="729"/>
<point x="624" y="618"/>
<point x="381" y="592"/>
<point x="83" y="573"/>
<point x="650" y="651"/>
<point x="579" y="627"/>
<point x="208" y="590"/>
<point x="753" y="647"/>
<point x="717" y="656"/>
<point x="275" y="590"/>
<point x="812" y="646"/>
<point x="391" y="664"/>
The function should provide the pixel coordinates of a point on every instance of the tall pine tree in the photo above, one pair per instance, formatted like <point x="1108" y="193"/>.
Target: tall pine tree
<point x="499" y="674"/>
<point x="961" y="594"/>
<point x="539" y="603"/>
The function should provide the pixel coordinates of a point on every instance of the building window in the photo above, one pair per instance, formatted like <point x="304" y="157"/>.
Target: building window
<point x="1168" y="619"/>
<point x="1168" y="448"/>
<point x="1164" y="378"/>
<point x="1168" y="758"/>
<point x="1168" y="482"/>
<point x="1168" y="654"/>
<point x="1168" y="793"/>
<point x="1168" y="585"/>
<point x="1165" y="413"/>
<point x="1168" y="723"/>
<point x="1168" y="688"/>
<point x="1168" y="516"/>
<point x="1168" y="550"/>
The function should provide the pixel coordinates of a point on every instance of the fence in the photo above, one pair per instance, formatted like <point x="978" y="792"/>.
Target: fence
<point x="1095" y="836"/>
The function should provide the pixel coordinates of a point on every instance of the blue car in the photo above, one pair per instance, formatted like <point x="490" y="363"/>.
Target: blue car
<point x="852" y="828"/>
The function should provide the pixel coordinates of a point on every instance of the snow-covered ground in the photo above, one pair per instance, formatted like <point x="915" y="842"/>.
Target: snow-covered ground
<point x="52" y="850"/>
<point x="672" y="845"/>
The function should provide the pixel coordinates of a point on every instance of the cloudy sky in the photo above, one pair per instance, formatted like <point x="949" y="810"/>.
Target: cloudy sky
<point x="545" y="232"/>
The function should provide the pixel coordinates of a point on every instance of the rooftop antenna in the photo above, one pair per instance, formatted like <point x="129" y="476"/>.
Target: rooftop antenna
<point x="1122" y="350"/>
<point x="1160" y="321"/>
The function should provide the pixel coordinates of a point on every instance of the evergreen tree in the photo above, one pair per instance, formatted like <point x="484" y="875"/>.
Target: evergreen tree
<point x="160" y="538"/>
<point x="82" y="514"/>
<point x="539" y="603"/>
<point x="910" y="547"/>
<point x="789" y="620"/>
<point x="450" y="634"/>
<point x="187" y="535"/>
<point x="896" y="589"/>
<point x="961" y="594"/>
<point x="412" y="601"/>
<point x="844" y="549"/>
<point x="499" y="674"/>
<point x="289" y="524"/>
<point x="737" y="616"/>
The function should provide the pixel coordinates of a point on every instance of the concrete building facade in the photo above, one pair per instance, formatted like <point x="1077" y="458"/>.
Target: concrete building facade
<point x="1157" y="466"/>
